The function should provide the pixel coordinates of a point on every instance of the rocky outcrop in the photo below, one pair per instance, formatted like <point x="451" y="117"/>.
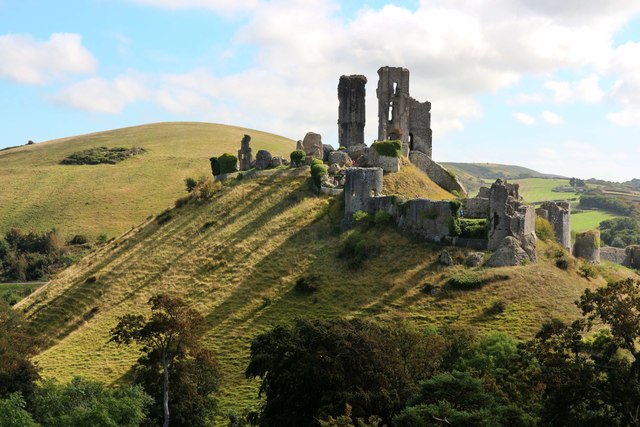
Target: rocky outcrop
<point x="312" y="145"/>
<point x="263" y="159"/>
<point x="341" y="158"/>
<point x="509" y="253"/>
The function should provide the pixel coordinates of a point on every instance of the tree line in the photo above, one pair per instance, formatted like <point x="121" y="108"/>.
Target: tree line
<point x="348" y="372"/>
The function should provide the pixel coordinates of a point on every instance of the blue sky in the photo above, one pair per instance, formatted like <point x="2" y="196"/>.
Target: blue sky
<point x="550" y="85"/>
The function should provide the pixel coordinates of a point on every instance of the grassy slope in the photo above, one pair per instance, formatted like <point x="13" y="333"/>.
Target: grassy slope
<point x="236" y="258"/>
<point x="39" y="193"/>
<point x="412" y="182"/>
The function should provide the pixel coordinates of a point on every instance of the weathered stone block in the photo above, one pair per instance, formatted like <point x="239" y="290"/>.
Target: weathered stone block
<point x="312" y="145"/>
<point x="387" y="163"/>
<point x="263" y="159"/>
<point x="361" y="184"/>
<point x="340" y="157"/>
<point x="351" y="110"/>
<point x="278" y="161"/>
<point x="587" y="246"/>
<point x="430" y="219"/>
<point x="476" y="208"/>
<point x="616" y="255"/>
<point x="509" y="253"/>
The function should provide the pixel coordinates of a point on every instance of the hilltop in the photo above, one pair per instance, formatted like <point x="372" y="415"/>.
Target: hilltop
<point x="237" y="256"/>
<point x="39" y="193"/>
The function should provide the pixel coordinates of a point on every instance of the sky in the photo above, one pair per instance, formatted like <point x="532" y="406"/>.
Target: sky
<point x="547" y="84"/>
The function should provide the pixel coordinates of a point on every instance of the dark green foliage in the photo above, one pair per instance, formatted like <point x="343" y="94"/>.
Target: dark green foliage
<point x="388" y="148"/>
<point x="17" y="346"/>
<point x="193" y="382"/>
<point x="318" y="170"/>
<point x="306" y="285"/>
<point x="297" y="158"/>
<point x="226" y="163"/>
<point x="473" y="228"/>
<point x="190" y="184"/>
<point x="165" y="216"/>
<point x="595" y="199"/>
<point x="310" y="370"/>
<point x="95" y="156"/>
<point x="382" y="219"/>
<point x="576" y="182"/>
<point x="31" y="256"/>
<point x="588" y="271"/>
<point x="87" y="403"/>
<point x="356" y="246"/>
<point x="593" y="381"/>
<point x="562" y="263"/>
<point x="13" y="412"/>
<point x="454" y="221"/>
<point x="79" y="239"/>
<point x="471" y="279"/>
<point x="174" y="368"/>
<point x="620" y="232"/>
<point x="497" y="307"/>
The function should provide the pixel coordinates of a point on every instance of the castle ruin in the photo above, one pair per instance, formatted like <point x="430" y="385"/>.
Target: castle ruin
<point x="351" y="110"/>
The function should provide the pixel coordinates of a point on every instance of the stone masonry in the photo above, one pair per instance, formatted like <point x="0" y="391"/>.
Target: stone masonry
<point x="361" y="184"/>
<point x="245" y="157"/>
<point x="587" y="246"/>
<point x="393" y="104"/>
<point x="559" y="215"/>
<point x="508" y="216"/>
<point x="351" y="110"/>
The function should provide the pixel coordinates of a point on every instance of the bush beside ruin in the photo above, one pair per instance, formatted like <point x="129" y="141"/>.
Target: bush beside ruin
<point x="95" y="156"/>
<point x="391" y="148"/>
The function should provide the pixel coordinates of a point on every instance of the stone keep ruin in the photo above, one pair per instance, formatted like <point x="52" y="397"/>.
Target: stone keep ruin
<point x="496" y="219"/>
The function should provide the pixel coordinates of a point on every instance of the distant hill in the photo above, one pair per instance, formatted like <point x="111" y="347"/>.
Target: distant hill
<point x="39" y="193"/>
<point x="473" y="174"/>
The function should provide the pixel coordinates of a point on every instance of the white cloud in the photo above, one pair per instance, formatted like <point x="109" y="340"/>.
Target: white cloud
<point x="629" y="117"/>
<point x="585" y="90"/>
<point x="551" y="118"/>
<point x="524" y="118"/>
<point x="26" y="60"/>
<point x="103" y="96"/>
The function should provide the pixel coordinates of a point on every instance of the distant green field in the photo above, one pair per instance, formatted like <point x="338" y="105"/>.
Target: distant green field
<point x="588" y="220"/>
<point x="540" y="189"/>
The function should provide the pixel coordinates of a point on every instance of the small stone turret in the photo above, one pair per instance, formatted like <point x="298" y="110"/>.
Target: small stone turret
<point x="245" y="157"/>
<point x="361" y="185"/>
<point x="559" y="215"/>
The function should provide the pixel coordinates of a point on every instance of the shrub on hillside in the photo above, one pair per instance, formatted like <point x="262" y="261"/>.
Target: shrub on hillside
<point x="95" y="156"/>
<point x="190" y="184"/>
<point x="297" y="158"/>
<point x="356" y="247"/>
<point x="318" y="171"/>
<point x="226" y="163"/>
<point x="544" y="229"/>
<point x="79" y="239"/>
<point x="388" y="148"/>
<point x="382" y="219"/>
<point x="473" y="228"/>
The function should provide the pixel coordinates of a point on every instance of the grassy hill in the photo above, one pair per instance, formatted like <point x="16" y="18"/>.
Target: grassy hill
<point x="39" y="193"/>
<point x="497" y="170"/>
<point x="236" y="258"/>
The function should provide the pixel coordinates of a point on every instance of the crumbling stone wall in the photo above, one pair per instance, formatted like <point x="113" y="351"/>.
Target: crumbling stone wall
<point x="351" y="110"/>
<point x="559" y="215"/>
<point x="476" y="207"/>
<point x="361" y="185"/>
<point x="587" y="246"/>
<point x="615" y="255"/>
<point x="508" y="216"/>
<point x="245" y="158"/>
<point x="436" y="172"/>
<point x="420" y="134"/>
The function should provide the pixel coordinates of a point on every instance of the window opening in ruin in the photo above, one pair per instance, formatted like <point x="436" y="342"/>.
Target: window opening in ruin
<point x="395" y="88"/>
<point x="391" y="111"/>
<point x="411" y="141"/>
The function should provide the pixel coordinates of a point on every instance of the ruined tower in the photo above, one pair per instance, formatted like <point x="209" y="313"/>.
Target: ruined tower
<point x="399" y="115"/>
<point x="361" y="185"/>
<point x="351" y="110"/>
<point x="244" y="154"/>
<point x="393" y="104"/>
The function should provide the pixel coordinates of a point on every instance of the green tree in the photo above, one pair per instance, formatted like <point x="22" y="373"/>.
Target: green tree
<point x="312" y="369"/>
<point x="593" y="381"/>
<point x="169" y="337"/>
<point x="86" y="403"/>
<point x="13" y="412"/>
<point x="18" y="373"/>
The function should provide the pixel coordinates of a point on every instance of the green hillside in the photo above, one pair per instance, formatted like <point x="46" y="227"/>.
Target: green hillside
<point x="497" y="170"/>
<point x="236" y="256"/>
<point x="39" y="193"/>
